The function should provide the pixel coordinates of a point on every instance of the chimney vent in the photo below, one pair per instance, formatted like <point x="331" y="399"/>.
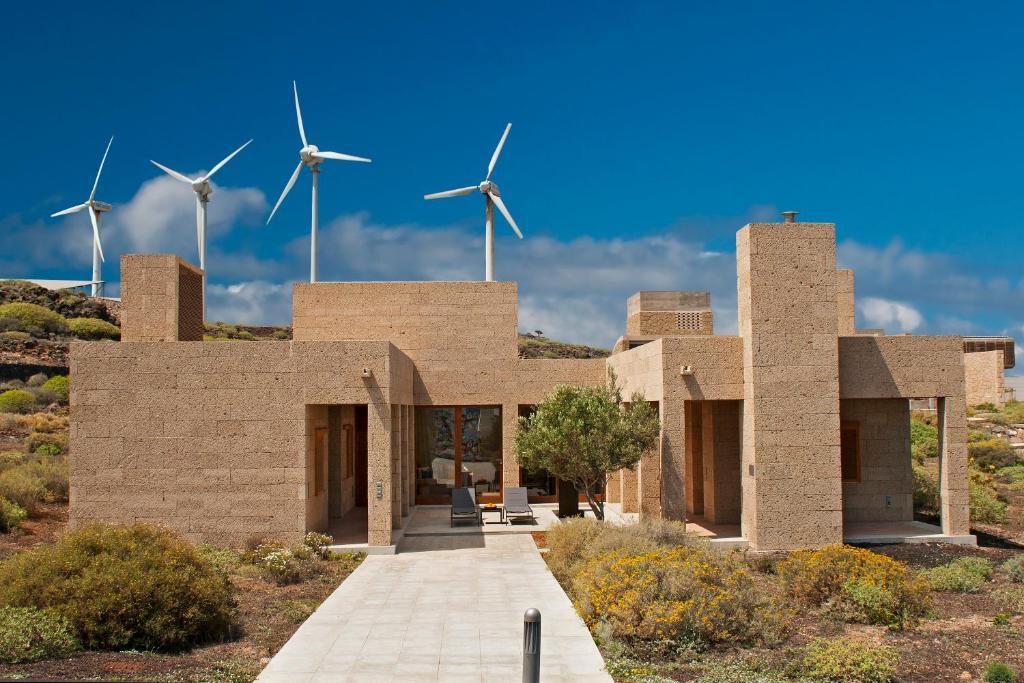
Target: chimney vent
<point x="789" y="216"/>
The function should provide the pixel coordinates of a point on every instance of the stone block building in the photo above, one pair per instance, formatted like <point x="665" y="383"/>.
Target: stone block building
<point x="792" y="433"/>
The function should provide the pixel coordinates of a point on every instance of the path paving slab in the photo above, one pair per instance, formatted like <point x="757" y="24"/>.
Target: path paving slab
<point x="444" y="608"/>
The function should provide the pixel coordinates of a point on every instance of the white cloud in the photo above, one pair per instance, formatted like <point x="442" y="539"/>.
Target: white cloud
<point x="895" y="316"/>
<point x="255" y="303"/>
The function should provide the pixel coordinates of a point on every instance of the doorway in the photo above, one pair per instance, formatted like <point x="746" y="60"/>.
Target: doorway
<point x="347" y="467"/>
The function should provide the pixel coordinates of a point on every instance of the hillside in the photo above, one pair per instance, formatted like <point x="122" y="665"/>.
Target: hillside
<point x="538" y="346"/>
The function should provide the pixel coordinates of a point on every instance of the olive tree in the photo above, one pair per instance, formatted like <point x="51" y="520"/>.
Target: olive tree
<point x="582" y="434"/>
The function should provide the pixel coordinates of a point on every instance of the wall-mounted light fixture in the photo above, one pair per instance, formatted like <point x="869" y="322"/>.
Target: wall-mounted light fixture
<point x="686" y="370"/>
<point x="367" y="373"/>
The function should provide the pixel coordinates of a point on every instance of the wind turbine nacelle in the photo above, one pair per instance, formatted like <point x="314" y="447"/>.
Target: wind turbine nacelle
<point x="489" y="186"/>
<point x="101" y="207"/>
<point x="202" y="188"/>
<point x="307" y="152"/>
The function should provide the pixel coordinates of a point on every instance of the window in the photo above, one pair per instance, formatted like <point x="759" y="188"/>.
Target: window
<point x="849" y="450"/>
<point x="458" y="446"/>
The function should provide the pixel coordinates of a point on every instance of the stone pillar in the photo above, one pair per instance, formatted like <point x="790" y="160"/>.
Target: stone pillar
<point x="396" y="467"/>
<point x="792" y="490"/>
<point x="845" y="303"/>
<point x="956" y="517"/>
<point x="378" y="470"/>
<point x="673" y="491"/>
<point x="410" y="430"/>
<point x="613" y="488"/>
<point x="403" y="438"/>
<point x="628" y="493"/>
<point x="161" y="299"/>
<point x="509" y="461"/>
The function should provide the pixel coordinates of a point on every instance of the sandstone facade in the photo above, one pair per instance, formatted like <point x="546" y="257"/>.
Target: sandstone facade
<point x="787" y="430"/>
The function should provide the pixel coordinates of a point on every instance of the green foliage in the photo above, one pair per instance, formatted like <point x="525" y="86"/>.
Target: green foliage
<point x="997" y="672"/>
<point x="17" y="401"/>
<point x="28" y="634"/>
<point x="1015" y="568"/>
<point x="56" y="439"/>
<point x="138" y="586"/>
<point x="962" y="575"/>
<point x="34" y="319"/>
<point x="318" y="543"/>
<point x="282" y="335"/>
<point x="93" y="329"/>
<point x="11" y="515"/>
<point x="67" y="304"/>
<point x="59" y="385"/>
<point x="841" y="660"/>
<point x="985" y="505"/>
<point x="582" y="434"/>
<point x="1001" y="619"/>
<point x="856" y="584"/>
<point x="9" y="459"/>
<point x="924" y="440"/>
<point x="15" y="335"/>
<point x="24" y="487"/>
<point x="53" y="473"/>
<point x="282" y="565"/>
<point x="36" y="380"/>
<point x="992" y="453"/>
<point x="926" y="490"/>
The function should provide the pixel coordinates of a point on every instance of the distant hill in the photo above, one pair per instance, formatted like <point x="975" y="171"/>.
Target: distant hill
<point x="539" y="346"/>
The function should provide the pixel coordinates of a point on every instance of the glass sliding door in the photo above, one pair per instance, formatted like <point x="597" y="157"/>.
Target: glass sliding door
<point x="457" y="446"/>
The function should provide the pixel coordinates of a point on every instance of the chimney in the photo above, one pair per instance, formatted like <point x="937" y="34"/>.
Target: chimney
<point x="789" y="216"/>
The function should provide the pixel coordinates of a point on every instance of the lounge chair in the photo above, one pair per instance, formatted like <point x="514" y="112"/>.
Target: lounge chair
<point x="516" y="506"/>
<point x="464" y="506"/>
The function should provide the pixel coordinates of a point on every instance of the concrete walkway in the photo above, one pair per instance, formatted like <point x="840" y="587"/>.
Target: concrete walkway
<point x="445" y="608"/>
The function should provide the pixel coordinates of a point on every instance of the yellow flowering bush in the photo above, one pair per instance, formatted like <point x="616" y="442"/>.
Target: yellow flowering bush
<point x="859" y="584"/>
<point x="672" y="593"/>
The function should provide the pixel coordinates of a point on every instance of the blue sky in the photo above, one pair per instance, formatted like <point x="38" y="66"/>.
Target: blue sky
<point x="644" y="135"/>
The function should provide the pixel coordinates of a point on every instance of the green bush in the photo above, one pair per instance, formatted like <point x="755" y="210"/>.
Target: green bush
<point x="56" y="439"/>
<point x="59" y="385"/>
<point x="9" y="459"/>
<point x="11" y="515"/>
<point x="963" y="575"/>
<point x="34" y="318"/>
<point x="53" y="473"/>
<point x="93" y="329"/>
<point x="15" y="335"/>
<point x="841" y="660"/>
<point x="926" y="490"/>
<point x="17" y="401"/>
<point x="1015" y="568"/>
<point x="992" y="453"/>
<point x="997" y="672"/>
<point x="984" y="503"/>
<point x="28" y="634"/>
<point x="924" y="440"/>
<point x="139" y="587"/>
<point x="24" y="487"/>
<point x="857" y="584"/>
<point x="282" y="565"/>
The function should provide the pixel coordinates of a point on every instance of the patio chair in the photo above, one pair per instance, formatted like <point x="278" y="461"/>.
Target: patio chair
<point x="516" y="506"/>
<point x="464" y="506"/>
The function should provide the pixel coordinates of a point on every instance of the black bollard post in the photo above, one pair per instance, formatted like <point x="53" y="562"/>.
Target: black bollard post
<point x="531" y="646"/>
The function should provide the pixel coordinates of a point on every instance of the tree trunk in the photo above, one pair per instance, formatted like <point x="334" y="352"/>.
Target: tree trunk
<point x="568" y="499"/>
<point x="598" y="509"/>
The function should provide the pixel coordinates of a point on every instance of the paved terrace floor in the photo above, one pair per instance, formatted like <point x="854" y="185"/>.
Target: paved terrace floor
<point x="444" y="608"/>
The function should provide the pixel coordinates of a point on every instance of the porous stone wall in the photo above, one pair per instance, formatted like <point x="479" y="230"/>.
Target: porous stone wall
<point x="983" y="377"/>
<point x="845" y="303"/>
<point x="161" y="299"/>
<point x="885" y="492"/>
<point x="720" y="455"/>
<point x="792" y="494"/>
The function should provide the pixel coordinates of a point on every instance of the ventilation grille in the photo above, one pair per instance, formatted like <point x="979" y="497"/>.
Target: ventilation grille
<point x="688" y="320"/>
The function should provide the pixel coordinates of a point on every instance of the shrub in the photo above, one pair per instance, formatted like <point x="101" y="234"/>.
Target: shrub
<point x="997" y="672"/>
<point x="43" y="422"/>
<point x="992" y="453"/>
<point x="963" y="575"/>
<point x="36" y="380"/>
<point x="1015" y="568"/>
<point x="59" y="385"/>
<point x="16" y="335"/>
<point x="36" y="439"/>
<point x="858" y="583"/>
<point x="984" y="503"/>
<point x="318" y="543"/>
<point x="16" y="401"/>
<point x="53" y="473"/>
<point x="139" y="586"/>
<point x="668" y="594"/>
<point x="282" y="335"/>
<point x="924" y="440"/>
<point x="22" y="486"/>
<point x="9" y="459"/>
<point x="574" y="542"/>
<point x="11" y="515"/>
<point x="1001" y="619"/>
<point x="1011" y="598"/>
<point x="297" y="611"/>
<point x="31" y="317"/>
<point x="28" y="634"/>
<point x="926" y="490"/>
<point x="93" y="329"/>
<point x="842" y="659"/>
<point x="283" y="566"/>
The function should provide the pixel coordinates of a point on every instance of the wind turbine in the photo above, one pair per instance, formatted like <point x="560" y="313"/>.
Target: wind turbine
<point x="201" y="186"/>
<point x="488" y="189"/>
<point x="311" y="156"/>
<point x="95" y="209"/>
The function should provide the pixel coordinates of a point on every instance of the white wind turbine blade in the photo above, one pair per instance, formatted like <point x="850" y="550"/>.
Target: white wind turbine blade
<point x="73" y="209"/>
<point x="92" y="195"/>
<point x="504" y="212"/>
<point x="225" y="160"/>
<point x="172" y="172"/>
<point x="453" y="193"/>
<point x="96" y="232"/>
<point x="339" y="156"/>
<point x="298" y="115"/>
<point x="287" y="189"/>
<point x="497" y="151"/>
